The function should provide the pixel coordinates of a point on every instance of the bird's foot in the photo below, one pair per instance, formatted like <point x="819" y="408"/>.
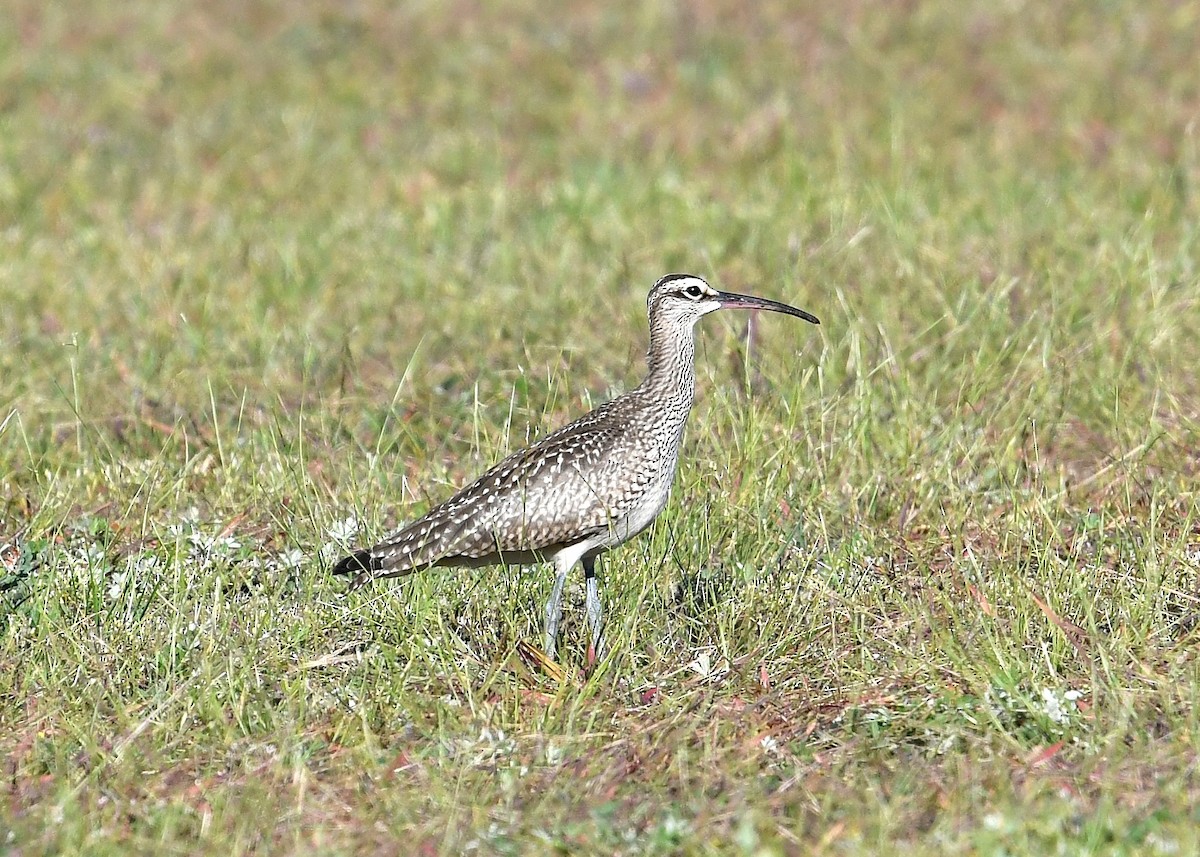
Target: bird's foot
<point x="597" y="649"/>
<point x="595" y="654"/>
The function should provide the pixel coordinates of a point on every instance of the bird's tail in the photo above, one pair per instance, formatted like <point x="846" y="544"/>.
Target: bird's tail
<point x="401" y="555"/>
<point x="412" y="548"/>
<point x="363" y="564"/>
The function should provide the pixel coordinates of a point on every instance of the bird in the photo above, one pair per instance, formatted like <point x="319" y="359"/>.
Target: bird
<point x="581" y="490"/>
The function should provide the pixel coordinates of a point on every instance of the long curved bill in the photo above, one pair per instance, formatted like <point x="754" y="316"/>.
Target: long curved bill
<point x="730" y="300"/>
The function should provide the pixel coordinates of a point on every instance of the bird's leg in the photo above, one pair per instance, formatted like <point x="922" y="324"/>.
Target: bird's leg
<point x="554" y="605"/>
<point x="594" y="612"/>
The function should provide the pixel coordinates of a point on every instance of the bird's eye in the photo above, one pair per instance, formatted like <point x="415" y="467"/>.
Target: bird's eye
<point x="693" y="291"/>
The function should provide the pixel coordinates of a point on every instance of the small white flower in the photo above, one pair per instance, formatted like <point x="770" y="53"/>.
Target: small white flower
<point x="226" y="544"/>
<point x="674" y="826"/>
<point x="1162" y="845"/>
<point x="487" y="736"/>
<point x="292" y="558"/>
<point x="116" y="585"/>
<point x="1059" y="707"/>
<point x="344" y="530"/>
<point x="702" y="665"/>
<point x="141" y="563"/>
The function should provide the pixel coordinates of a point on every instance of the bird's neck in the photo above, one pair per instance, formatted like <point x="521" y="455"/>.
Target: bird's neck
<point x="671" y="360"/>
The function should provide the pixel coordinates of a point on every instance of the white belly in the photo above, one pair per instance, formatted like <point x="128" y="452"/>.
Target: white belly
<point x="644" y="511"/>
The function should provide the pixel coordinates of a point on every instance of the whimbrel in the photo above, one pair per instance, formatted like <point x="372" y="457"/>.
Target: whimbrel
<point x="583" y="489"/>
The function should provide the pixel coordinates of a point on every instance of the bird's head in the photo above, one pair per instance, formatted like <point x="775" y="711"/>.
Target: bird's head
<point x="685" y="298"/>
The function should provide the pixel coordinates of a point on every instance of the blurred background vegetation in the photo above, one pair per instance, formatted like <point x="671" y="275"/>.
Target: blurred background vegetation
<point x="265" y="266"/>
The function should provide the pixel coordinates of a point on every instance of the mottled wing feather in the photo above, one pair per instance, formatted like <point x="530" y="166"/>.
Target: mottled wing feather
<point x="571" y="485"/>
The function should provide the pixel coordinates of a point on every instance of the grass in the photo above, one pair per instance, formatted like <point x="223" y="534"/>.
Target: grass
<point x="277" y="277"/>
